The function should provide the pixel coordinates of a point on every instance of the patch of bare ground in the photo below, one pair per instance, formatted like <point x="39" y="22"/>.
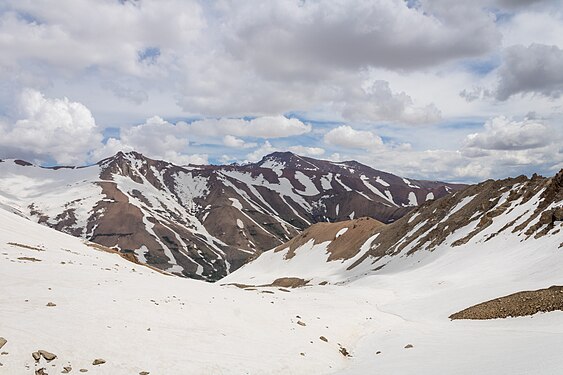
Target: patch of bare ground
<point x="127" y="256"/>
<point x="25" y="246"/>
<point x="282" y="282"/>
<point x="345" y="246"/>
<point x="289" y="282"/>
<point x="518" y="304"/>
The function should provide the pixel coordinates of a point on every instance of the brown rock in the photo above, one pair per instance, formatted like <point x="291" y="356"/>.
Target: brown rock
<point x="3" y="342"/>
<point x="144" y="373"/>
<point x="301" y="323"/>
<point x="51" y="304"/>
<point x="83" y="370"/>
<point x="47" y="355"/>
<point x="344" y="351"/>
<point x="322" y="338"/>
<point x="518" y="304"/>
<point x="66" y="369"/>
<point x="40" y="371"/>
<point x="408" y="346"/>
<point x="36" y="356"/>
<point x="98" y="361"/>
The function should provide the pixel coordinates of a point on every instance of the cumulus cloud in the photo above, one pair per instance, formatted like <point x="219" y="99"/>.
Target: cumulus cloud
<point x="377" y="102"/>
<point x="232" y="141"/>
<point x="536" y="69"/>
<point x="265" y="149"/>
<point x="83" y="35"/>
<point x="156" y="138"/>
<point x="307" y="151"/>
<point x="295" y="39"/>
<point x="50" y="129"/>
<point x="502" y="134"/>
<point x="261" y="127"/>
<point x="348" y="137"/>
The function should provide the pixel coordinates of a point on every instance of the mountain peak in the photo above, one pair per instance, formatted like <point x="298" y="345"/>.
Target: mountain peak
<point x="284" y="156"/>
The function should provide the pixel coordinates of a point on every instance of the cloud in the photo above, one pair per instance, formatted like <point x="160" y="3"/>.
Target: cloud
<point x="307" y="151"/>
<point x="265" y="149"/>
<point x="156" y="138"/>
<point x="83" y="35"/>
<point x="502" y="134"/>
<point x="57" y="129"/>
<point x="261" y="127"/>
<point x="377" y="102"/>
<point x="347" y="137"/>
<point x="231" y="141"/>
<point x="291" y="39"/>
<point x="535" y="69"/>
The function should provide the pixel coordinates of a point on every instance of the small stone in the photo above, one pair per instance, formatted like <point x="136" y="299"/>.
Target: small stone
<point x="408" y="346"/>
<point x="66" y="369"/>
<point x="322" y="338"/>
<point x="40" y="371"/>
<point x="47" y="355"/>
<point x="51" y="304"/>
<point x="301" y="323"/>
<point x="83" y="370"/>
<point x="144" y="373"/>
<point x="3" y="342"/>
<point x="303" y="354"/>
<point x="36" y="356"/>
<point x="378" y="352"/>
<point x="98" y="361"/>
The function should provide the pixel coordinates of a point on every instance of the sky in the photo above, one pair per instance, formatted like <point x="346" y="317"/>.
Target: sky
<point x="432" y="89"/>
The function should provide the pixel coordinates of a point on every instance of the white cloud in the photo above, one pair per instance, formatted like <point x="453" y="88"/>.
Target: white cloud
<point x="502" y="134"/>
<point x="307" y="151"/>
<point x="292" y="39"/>
<point x="232" y="141"/>
<point x="501" y="148"/>
<point x="534" y="69"/>
<point x="265" y="149"/>
<point x="377" y="102"/>
<point x="261" y="127"/>
<point x="347" y="137"/>
<point x="46" y="128"/>
<point x="156" y="138"/>
<point x="73" y="35"/>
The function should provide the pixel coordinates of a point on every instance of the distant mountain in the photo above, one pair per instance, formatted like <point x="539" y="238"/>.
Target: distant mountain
<point x="205" y="221"/>
<point x="506" y="218"/>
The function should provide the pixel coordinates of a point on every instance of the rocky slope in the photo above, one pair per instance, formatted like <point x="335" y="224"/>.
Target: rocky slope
<point x="205" y="221"/>
<point x="518" y="212"/>
<point x="358" y="321"/>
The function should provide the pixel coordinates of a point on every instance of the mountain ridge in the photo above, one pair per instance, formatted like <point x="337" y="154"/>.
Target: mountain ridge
<point x="205" y="221"/>
<point x="517" y="210"/>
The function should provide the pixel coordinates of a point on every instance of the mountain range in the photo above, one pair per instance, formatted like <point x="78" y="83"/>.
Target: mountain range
<point x="206" y="221"/>
<point x="469" y="283"/>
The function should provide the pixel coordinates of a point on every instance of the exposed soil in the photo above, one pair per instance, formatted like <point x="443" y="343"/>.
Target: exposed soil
<point x="345" y="246"/>
<point x="518" y="304"/>
<point x="289" y="282"/>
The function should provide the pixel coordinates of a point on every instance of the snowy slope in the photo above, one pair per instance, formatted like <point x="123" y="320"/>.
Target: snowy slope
<point x="203" y="221"/>
<point x="140" y="320"/>
<point x="510" y="214"/>
<point x="137" y="319"/>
